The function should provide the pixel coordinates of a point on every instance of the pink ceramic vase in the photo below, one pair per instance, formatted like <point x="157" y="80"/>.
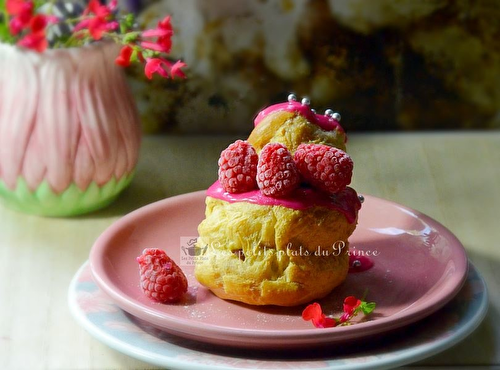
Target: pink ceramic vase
<point x="69" y="129"/>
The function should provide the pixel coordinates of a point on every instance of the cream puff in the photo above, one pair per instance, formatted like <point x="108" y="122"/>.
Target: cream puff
<point x="277" y="221"/>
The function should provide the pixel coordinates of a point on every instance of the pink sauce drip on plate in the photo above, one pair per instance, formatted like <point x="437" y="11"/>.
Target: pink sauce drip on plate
<point x="359" y="263"/>
<point x="345" y="202"/>
<point x="327" y="123"/>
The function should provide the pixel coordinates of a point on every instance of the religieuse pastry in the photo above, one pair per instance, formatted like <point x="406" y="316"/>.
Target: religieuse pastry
<point x="279" y="217"/>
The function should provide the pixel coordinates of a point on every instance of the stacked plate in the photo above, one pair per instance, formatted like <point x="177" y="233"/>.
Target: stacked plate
<point x="419" y="266"/>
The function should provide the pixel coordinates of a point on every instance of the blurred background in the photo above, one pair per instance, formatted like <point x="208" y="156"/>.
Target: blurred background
<point x="384" y="64"/>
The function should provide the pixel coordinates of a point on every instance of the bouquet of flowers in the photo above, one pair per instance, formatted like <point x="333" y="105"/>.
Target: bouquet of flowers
<point x="38" y="25"/>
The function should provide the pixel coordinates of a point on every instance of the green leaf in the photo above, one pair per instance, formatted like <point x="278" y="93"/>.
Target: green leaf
<point x="367" y="307"/>
<point x="5" y="35"/>
<point x="149" y="54"/>
<point x="130" y="37"/>
<point x="134" y="58"/>
<point x="39" y="3"/>
<point x="127" y="23"/>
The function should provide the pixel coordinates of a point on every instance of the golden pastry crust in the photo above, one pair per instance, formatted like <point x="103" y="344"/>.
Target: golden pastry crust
<point x="267" y="255"/>
<point x="291" y="129"/>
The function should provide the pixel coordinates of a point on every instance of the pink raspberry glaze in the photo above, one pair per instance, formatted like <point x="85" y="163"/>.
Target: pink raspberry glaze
<point x="345" y="202"/>
<point x="325" y="122"/>
<point x="364" y="262"/>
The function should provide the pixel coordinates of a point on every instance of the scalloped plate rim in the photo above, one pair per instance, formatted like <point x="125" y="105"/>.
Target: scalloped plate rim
<point x="207" y="331"/>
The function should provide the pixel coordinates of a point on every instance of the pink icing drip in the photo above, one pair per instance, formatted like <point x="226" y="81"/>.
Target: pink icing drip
<point x="345" y="202"/>
<point x="365" y="263"/>
<point x="325" y="122"/>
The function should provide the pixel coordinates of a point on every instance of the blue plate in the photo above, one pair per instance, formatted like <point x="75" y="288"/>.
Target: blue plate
<point x="131" y="336"/>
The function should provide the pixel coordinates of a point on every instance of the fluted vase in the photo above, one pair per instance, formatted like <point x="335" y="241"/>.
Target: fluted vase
<point x="69" y="129"/>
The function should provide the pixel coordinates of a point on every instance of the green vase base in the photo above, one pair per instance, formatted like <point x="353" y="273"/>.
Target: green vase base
<point x="71" y="202"/>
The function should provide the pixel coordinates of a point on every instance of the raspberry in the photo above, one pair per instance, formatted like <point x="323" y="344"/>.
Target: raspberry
<point x="277" y="175"/>
<point x="324" y="167"/>
<point x="161" y="279"/>
<point x="238" y="167"/>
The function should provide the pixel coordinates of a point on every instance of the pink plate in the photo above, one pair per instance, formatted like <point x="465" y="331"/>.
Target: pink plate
<point x="419" y="265"/>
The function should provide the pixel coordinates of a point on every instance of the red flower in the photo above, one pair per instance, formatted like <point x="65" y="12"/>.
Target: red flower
<point x="21" y="13"/>
<point x="163" y="67"/>
<point x="164" y="32"/>
<point x="124" y="58"/>
<point x="162" y="45"/>
<point x="99" y="23"/>
<point x="156" y="65"/>
<point x="166" y="24"/>
<point x="165" y="43"/>
<point x="315" y="313"/>
<point x="95" y="7"/>
<point x="350" y="304"/>
<point x="16" y="7"/>
<point x="38" y="23"/>
<point x="164" y="29"/>
<point x="35" y="41"/>
<point x="96" y="26"/>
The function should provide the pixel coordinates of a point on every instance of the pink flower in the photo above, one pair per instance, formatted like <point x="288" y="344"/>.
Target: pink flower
<point x="82" y="25"/>
<point x="113" y="4"/>
<point x="94" y="302"/>
<point x="163" y="44"/>
<point x="155" y="33"/>
<point x="16" y="26"/>
<point x="51" y="19"/>
<point x="151" y="46"/>
<point x="175" y="70"/>
<point x="124" y="58"/>
<point x="345" y="317"/>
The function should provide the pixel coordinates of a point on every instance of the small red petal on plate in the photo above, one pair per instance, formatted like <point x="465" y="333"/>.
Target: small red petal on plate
<point x="312" y="312"/>
<point x="329" y="322"/>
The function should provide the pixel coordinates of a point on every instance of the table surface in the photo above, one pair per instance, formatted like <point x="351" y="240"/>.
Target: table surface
<point x="452" y="177"/>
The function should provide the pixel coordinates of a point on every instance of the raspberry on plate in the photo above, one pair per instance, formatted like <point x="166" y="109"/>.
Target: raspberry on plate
<point x="238" y="167"/>
<point x="277" y="175"/>
<point x="324" y="167"/>
<point x="161" y="279"/>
